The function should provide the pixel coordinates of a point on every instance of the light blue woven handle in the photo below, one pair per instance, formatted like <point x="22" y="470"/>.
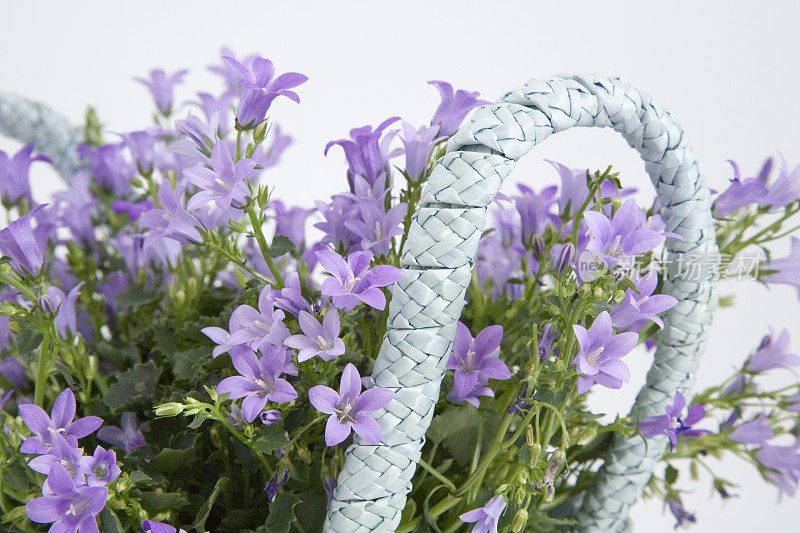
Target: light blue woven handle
<point x="437" y="262"/>
<point x="49" y="131"/>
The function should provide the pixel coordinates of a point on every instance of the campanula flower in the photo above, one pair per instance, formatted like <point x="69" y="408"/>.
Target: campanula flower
<point x="683" y="517"/>
<point x="171" y="220"/>
<point x="486" y="517"/>
<point x="12" y="369"/>
<point x="228" y="71"/>
<point x="743" y="192"/>
<point x="70" y="506"/>
<point x="317" y="339"/>
<point x="376" y="227"/>
<point x="142" y="146"/>
<point x="773" y="353"/>
<point x="109" y="167"/>
<point x="366" y="152"/>
<point x="224" y="183"/>
<point x="785" y="189"/>
<point x="468" y="388"/>
<point x="290" y="298"/>
<point x="625" y="234"/>
<point x="349" y="408"/>
<point x="672" y="424"/>
<point x="65" y="321"/>
<point x="785" y="269"/>
<point x="258" y="328"/>
<point x="17" y="241"/>
<point x="417" y="146"/>
<point x="60" y="421"/>
<point x="784" y="461"/>
<point x="756" y="431"/>
<point x="453" y="107"/>
<point x="599" y="358"/>
<point x="274" y="485"/>
<point x="635" y="310"/>
<point x="478" y="355"/>
<point x="159" y="527"/>
<point x="335" y="216"/>
<point x="291" y="221"/>
<point x="546" y="340"/>
<point x="162" y="87"/>
<point x="270" y="416"/>
<point x="259" y="381"/>
<point x="133" y="209"/>
<point x="61" y="452"/>
<point x="101" y="468"/>
<point x="354" y="281"/>
<point x="14" y="179"/>
<point x="77" y="206"/>
<point x="535" y="211"/>
<point x="128" y="436"/>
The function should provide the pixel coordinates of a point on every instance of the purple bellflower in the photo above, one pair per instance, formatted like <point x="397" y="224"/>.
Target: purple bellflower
<point x="172" y="220"/>
<point x="291" y="222"/>
<point x="366" y="153"/>
<point x="626" y="233"/>
<point x="60" y="421"/>
<point x="757" y="431"/>
<point x="77" y="206"/>
<point x="270" y="416"/>
<point x="17" y="241"/>
<point x="60" y="453"/>
<point x="109" y="168"/>
<point x="159" y="527"/>
<point x="743" y="192"/>
<point x="417" y="146"/>
<point x="773" y="353"/>
<point x="258" y="328"/>
<point x="14" y="180"/>
<point x="784" y="461"/>
<point x="258" y="382"/>
<point x="535" y="211"/>
<point x="260" y="88"/>
<point x="486" y="517"/>
<point x="477" y="356"/>
<point x="66" y="321"/>
<point x="101" y="468"/>
<point x="546" y="340"/>
<point x="230" y="73"/>
<point x="469" y="388"/>
<point x="349" y="408"/>
<point x="683" y="517"/>
<point x="354" y="281"/>
<point x="290" y="298"/>
<point x="70" y="506"/>
<point x="162" y="87"/>
<point x="128" y="436"/>
<point x="274" y="485"/>
<point x="377" y="228"/>
<point x="453" y="107"/>
<point x="224" y="183"/>
<point x="635" y="310"/>
<point x="317" y="339"/>
<point x="133" y="209"/>
<point x="786" y="188"/>
<point x="599" y="358"/>
<point x="335" y="216"/>
<point x="671" y="424"/>
<point x="12" y="369"/>
<point x="785" y="269"/>
<point x="142" y="146"/>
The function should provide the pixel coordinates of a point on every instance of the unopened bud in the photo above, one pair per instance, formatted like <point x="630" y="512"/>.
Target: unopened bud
<point x="519" y="496"/>
<point x="7" y="309"/>
<point x="537" y="244"/>
<point x="536" y="451"/>
<point x="598" y="292"/>
<point x="529" y="435"/>
<point x="520" y="519"/>
<point x="565" y="257"/>
<point x="169" y="409"/>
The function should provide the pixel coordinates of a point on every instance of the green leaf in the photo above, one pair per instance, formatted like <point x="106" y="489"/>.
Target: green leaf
<point x="281" y="513"/>
<point x="554" y="397"/>
<point x="28" y="340"/>
<point x="186" y="364"/>
<point x="199" y="418"/>
<point x="594" y="450"/>
<point x="138" y="477"/>
<point x="133" y="386"/>
<point x="5" y="259"/>
<point x="452" y="421"/>
<point x="670" y="474"/>
<point x="109" y="523"/>
<point x="199" y="523"/>
<point x="134" y="297"/>
<point x="274" y="437"/>
<point x="281" y="245"/>
<point x="156" y="502"/>
<point x="171" y="460"/>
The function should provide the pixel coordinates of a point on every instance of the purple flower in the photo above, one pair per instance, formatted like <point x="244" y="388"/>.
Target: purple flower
<point x="329" y="486"/>
<point x="223" y="183"/>
<point x="417" y="146"/>
<point x="453" y="107"/>
<point x="260" y="89"/>
<point x="635" y="310"/>
<point x="786" y="188"/>
<point x="274" y="485"/>
<point x="354" y="281"/>
<point x="128" y="436"/>
<point x="624" y="234"/>
<point x="793" y="403"/>
<point x="468" y="388"/>
<point x="159" y="527"/>
<point x="772" y="353"/>
<point x="741" y="193"/>
<point x="784" y="463"/>
<point x="77" y="206"/>
<point x="546" y="341"/>
<point x="61" y="452"/>
<point x="521" y="403"/>
<point x="259" y="381"/>
<point x="65" y="320"/>
<point x="18" y="242"/>
<point x="229" y="73"/>
<point x="535" y="211"/>
<point x="172" y="220"/>
<point x="290" y="298"/>
<point x="672" y="424"/>
<point x="478" y="355"/>
<point x="12" y="369"/>
<point x="142" y="146"/>
<point x="336" y="214"/>
<point x="72" y="507"/>
<point x="683" y="517"/>
<point x="258" y="328"/>
<point x="317" y="339"/>
<point x="60" y="421"/>
<point x="349" y="407"/>
<point x="162" y="87"/>
<point x="291" y="222"/>
<point x="270" y="416"/>
<point x="366" y="153"/>
<point x="201" y="137"/>
<point x="784" y="270"/>
<point x="599" y="357"/>
<point x="573" y="188"/>
<point x="14" y="182"/>
<point x="109" y="168"/>
<point x="375" y="227"/>
<point x="101" y="468"/>
<point x="486" y="517"/>
<point x="757" y="431"/>
<point x="133" y="209"/>
<point x="216" y="109"/>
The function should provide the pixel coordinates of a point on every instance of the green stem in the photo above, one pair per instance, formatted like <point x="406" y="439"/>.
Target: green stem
<point x="435" y="473"/>
<point x="44" y="369"/>
<point x="262" y="244"/>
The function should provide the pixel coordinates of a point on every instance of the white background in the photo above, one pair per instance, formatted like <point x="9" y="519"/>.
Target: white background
<point x="727" y="70"/>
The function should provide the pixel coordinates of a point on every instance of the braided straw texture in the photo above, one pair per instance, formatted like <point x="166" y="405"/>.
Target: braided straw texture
<point x="50" y="132"/>
<point x="437" y="264"/>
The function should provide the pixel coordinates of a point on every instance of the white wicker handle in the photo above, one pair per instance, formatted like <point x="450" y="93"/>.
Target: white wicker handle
<point x="437" y="262"/>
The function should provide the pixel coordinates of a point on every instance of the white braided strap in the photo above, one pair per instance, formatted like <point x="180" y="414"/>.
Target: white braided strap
<point x="437" y="262"/>
<point x="50" y="132"/>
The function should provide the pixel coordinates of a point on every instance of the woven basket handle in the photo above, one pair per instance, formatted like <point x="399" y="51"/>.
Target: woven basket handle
<point x="437" y="262"/>
<point x="49" y="131"/>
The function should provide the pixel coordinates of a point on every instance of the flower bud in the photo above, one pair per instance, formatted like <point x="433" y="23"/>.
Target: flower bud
<point x="519" y="496"/>
<point x="565" y="258"/>
<point x="598" y="292"/>
<point x="520" y="519"/>
<point x="169" y="409"/>
<point x="529" y="435"/>
<point x="536" y="451"/>
<point x="537" y="244"/>
<point x="7" y="309"/>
